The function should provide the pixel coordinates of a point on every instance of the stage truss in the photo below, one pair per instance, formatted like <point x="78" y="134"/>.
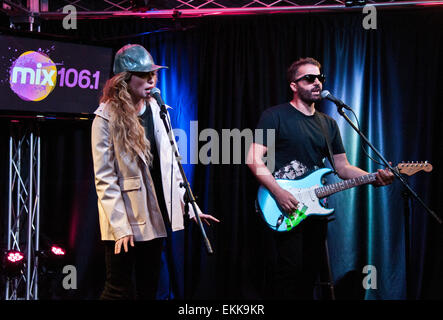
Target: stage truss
<point x="24" y="210"/>
<point x="172" y="9"/>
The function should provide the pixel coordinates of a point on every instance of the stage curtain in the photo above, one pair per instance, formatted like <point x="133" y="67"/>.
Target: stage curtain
<point x="391" y="77"/>
<point x="225" y="72"/>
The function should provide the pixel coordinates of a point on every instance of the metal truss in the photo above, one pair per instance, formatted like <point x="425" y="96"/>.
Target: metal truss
<point x="24" y="210"/>
<point x="105" y="9"/>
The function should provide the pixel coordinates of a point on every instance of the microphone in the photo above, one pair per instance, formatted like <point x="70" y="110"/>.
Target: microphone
<point x="325" y="94"/>
<point x="155" y="93"/>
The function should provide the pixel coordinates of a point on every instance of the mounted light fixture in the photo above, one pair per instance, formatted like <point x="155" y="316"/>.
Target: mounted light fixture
<point x="355" y="3"/>
<point x="13" y="262"/>
<point x="52" y="259"/>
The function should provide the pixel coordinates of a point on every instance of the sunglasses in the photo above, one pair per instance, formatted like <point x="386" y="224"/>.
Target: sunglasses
<point x="311" y="78"/>
<point x="144" y="75"/>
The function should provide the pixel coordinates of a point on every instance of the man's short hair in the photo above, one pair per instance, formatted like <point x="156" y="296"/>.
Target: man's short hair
<point x="292" y="71"/>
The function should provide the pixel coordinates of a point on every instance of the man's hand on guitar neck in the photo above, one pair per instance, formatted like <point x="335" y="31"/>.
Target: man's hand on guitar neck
<point x="347" y="171"/>
<point x="383" y="177"/>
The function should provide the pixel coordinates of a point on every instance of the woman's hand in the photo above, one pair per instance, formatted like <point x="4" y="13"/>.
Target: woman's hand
<point x="123" y="241"/>
<point x="206" y="218"/>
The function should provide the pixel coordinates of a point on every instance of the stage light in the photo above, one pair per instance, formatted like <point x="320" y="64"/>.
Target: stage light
<point x="58" y="251"/>
<point x="15" y="257"/>
<point x="355" y="3"/>
<point x="52" y="258"/>
<point x="13" y="262"/>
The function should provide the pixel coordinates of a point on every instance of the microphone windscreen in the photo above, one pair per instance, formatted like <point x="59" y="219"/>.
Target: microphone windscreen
<point x="155" y="90"/>
<point x="324" y="94"/>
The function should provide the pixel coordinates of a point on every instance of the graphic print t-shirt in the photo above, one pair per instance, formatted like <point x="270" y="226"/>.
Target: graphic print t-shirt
<point x="299" y="138"/>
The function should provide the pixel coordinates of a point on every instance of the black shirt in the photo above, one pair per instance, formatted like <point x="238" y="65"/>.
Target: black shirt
<point x="155" y="169"/>
<point x="298" y="136"/>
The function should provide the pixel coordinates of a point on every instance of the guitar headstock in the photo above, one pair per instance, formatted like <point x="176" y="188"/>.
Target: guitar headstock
<point x="410" y="168"/>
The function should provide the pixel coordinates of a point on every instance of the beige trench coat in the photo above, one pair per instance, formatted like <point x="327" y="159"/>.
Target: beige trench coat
<point x="127" y="203"/>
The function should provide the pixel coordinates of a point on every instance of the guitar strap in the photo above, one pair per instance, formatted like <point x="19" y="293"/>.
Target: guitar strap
<point x="323" y="126"/>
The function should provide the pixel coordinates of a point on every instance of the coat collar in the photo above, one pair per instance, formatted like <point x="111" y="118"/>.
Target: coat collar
<point x="103" y="111"/>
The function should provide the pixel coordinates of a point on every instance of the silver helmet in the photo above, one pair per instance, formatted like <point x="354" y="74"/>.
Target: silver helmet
<point x="134" y="57"/>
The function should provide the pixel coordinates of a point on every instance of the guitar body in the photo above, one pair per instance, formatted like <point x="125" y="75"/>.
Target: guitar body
<point x="304" y="191"/>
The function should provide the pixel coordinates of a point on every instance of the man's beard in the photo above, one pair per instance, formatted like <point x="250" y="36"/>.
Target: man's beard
<point x="307" y="95"/>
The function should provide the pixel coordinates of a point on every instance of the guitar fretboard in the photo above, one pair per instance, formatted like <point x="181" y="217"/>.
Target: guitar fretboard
<point x="327" y="190"/>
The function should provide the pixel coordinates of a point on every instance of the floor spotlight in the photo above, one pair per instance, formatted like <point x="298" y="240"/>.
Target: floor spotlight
<point x="13" y="262"/>
<point x="58" y="251"/>
<point x="52" y="259"/>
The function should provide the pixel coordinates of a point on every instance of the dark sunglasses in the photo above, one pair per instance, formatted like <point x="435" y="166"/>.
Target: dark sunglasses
<point x="144" y="75"/>
<point x="311" y="78"/>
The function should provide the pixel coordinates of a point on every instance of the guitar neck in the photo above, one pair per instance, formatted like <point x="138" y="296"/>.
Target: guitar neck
<point x="327" y="190"/>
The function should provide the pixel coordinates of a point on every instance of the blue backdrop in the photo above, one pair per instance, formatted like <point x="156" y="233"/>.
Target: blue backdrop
<point x="233" y="68"/>
<point x="391" y="77"/>
<point x="179" y="86"/>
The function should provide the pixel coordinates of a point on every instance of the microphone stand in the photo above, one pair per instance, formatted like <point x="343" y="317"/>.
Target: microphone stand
<point x="406" y="213"/>
<point x="188" y="195"/>
<point x="408" y="192"/>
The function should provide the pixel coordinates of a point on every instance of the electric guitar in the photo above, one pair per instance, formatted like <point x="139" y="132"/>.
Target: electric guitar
<point x="310" y="189"/>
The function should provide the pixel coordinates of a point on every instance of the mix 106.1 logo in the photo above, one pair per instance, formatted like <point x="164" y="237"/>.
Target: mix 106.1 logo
<point x="33" y="76"/>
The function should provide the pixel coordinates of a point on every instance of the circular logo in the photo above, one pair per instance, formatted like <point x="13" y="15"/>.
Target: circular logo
<point x="33" y="76"/>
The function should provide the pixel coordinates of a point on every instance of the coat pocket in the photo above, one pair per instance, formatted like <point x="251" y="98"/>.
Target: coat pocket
<point x="133" y="199"/>
<point x="128" y="184"/>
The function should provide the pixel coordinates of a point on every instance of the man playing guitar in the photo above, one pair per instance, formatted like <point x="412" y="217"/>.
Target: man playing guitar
<point x="300" y="146"/>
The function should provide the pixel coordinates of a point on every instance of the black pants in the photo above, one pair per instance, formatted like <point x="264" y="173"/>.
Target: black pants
<point x="296" y="260"/>
<point x="133" y="274"/>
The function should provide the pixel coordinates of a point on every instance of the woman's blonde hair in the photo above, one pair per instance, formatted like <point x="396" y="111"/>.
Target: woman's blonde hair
<point x="125" y="126"/>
